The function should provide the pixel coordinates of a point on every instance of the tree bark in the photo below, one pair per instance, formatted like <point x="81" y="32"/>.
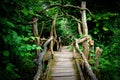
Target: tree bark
<point x="83" y="39"/>
<point x="53" y="33"/>
<point x="35" y="30"/>
<point x="85" y="29"/>
<point x="35" y="33"/>
<point x="79" y="29"/>
<point x="97" y="55"/>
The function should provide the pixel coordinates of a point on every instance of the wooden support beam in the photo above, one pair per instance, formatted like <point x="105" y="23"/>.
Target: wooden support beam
<point x="53" y="33"/>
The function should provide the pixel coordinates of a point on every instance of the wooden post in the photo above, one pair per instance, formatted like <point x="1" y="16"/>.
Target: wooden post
<point x="91" y="47"/>
<point x="35" y="33"/>
<point x="73" y="49"/>
<point x="35" y="30"/>
<point x="79" y="29"/>
<point x="53" y="33"/>
<point x="60" y="43"/>
<point x="85" y="29"/>
<point x="97" y="55"/>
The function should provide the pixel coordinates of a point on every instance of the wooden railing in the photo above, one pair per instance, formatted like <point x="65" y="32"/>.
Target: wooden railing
<point x="40" y="55"/>
<point x="87" y="45"/>
<point x="84" y="60"/>
<point x="40" y="59"/>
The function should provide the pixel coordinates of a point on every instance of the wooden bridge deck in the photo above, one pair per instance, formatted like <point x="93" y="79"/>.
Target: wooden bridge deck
<point x="63" y="67"/>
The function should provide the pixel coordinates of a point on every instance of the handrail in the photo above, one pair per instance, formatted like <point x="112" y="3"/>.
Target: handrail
<point x="87" y="66"/>
<point x="40" y="59"/>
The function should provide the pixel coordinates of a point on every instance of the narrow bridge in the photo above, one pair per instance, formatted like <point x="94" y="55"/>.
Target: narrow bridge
<point x="66" y="64"/>
<point x="64" y="67"/>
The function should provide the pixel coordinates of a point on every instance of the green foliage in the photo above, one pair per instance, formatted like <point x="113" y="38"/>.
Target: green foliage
<point x="15" y="46"/>
<point x="17" y="53"/>
<point x="110" y="60"/>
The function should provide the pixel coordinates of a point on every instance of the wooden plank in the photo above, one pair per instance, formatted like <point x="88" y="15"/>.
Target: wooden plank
<point x="63" y="64"/>
<point x="63" y="74"/>
<point x="60" y="71"/>
<point x="64" y="78"/>
<point x="63" y="68"/>
<point x="64" y="57"/>
<point x="64" y="54"/>
<point x="63" y="60"/>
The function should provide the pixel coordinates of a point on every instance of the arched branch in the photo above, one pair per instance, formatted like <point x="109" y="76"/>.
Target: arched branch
<point x="74" y="18"/>
<point x="67" y="6"/>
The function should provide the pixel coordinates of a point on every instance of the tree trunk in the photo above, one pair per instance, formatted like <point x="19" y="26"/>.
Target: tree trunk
<point x="85" y="29"/>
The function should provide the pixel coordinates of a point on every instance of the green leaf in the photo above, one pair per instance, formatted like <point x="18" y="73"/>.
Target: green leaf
<point x="97" y="24"/>
<point x="28" y="47"/>
<point x="33" y="38"/>
<point x="105" y="29"/>
<point x="31" y="12"/>
<point x="25" y="39"/>
<point x="6" y="53"/>
<point x="25" y="11"/>
<point x="89" y="18"/>
<point x="9" y="67"/>
<point x="95" y="32"/>
<point x="106" y="18"/>
<point x="10" y="24"/>
<point x="22" y="54"/>
<point x="33" y="47"/>
<point x="38" y="48"/>
<point x="92" y="55"/>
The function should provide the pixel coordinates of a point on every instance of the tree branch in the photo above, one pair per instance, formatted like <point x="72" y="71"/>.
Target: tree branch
<point x="74" y="18"/>
<point x="67" y="6"/>
<point x="34" y="21"/>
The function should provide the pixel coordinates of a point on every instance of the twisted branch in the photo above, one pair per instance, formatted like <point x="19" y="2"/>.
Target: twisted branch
<point x="67" y="6"/>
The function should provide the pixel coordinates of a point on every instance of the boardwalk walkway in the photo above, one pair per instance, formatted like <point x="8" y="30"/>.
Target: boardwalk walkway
<point x="63" y="67"/>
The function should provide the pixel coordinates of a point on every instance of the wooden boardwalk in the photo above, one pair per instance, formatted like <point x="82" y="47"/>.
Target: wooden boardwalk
<point x="63" y="67"/>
